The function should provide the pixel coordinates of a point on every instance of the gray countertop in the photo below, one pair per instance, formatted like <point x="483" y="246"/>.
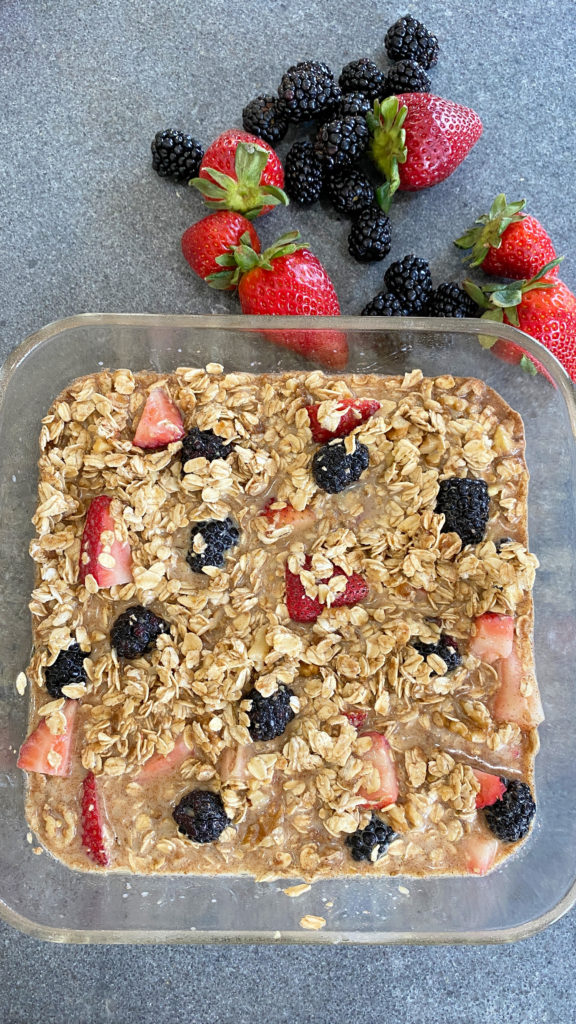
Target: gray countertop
<point x="87" y="226"/>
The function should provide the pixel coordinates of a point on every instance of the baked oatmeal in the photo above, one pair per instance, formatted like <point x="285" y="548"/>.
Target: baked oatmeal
<point x="282" y="625"/>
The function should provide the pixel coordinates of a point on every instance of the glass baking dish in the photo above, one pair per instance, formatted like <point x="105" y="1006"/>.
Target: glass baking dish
<point x="42" y="897"/>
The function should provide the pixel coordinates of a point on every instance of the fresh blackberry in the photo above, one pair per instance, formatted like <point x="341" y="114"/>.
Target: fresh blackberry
<point x="446" y="648"/>
<point x="349" y="191"/>
<point x="218" y="535"/>
<point x="340" y="142"/>
<point x="408" y="39"/>
<point x="450" y="299"/>
<point x="384" y="304"/>
<point x="510" y="817"/>
<point x="362" y="76"/>
<point x="266" y="117"/>
<point x="370" y="237"/>
<point x="204" y="444"/>
<point x="334" y="469"/>
<point x="200" y="815"/>
<point x="176" y="156"/>
<point x="308" y="91"/>
<point x="406" y="76"/>
<point x="353" y="104"/>
<point x="136" y="631"/>
<point x="269" y="716"/>
<point x="466" y="506"/>
<point x="303" y="175"/>
<point x="410" y="280"/>
<point x="370" y="843"/>
<point x="68" y="668"/>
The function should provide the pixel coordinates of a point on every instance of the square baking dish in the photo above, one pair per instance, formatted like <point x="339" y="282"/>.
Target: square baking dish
<point x="42" y="897"/>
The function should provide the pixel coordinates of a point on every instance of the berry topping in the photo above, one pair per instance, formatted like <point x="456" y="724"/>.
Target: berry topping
<point x="163" y="764"/>
<point x="406" y="76"/>
<point x="353" y="412"/>
<point x="286" y="515"/>
<point x="266" y="117"/>
<point x="175" y="155"/>
<point x="362" y="76"/>
<point x="381" y="787"/>
<point x="384" y="304"/>
<point x="479" y="853"/>
<point x="494" y="637"/>
<point x="160" y="422"/>
<point x="136" y="631"/>
<point x="50" y="755"/>
<point x="356" y="717"/>
<point x="334" y="468"/>
<point x="103" y="554"/>
<point x="93" y="838"/>
<point x="509" y="819"/>
<point x="200" y="815"/>
<point x="308" y="90"/>
<point x="449" y="299"/>
<point x="67" y="669"/>
<point x="491" y="788"/>
<point x="409" y="39"/>
<point x="465" y="504"/>
<point x="209" y="542"/>
<point x="370" y="843"/>
<point x="340" y="142"/>
<point x="269" y="716"/>
<point x="304" y="174"/>
<point x="302" y="608"/>
<point x="370" y="237"/>
<point x="350" y="191"/>
<point x="514" y="701"/>
<point x="204" y="444"/>
<point x="446" y="649"/>
<point x="353" y="104"/>
<point x="410" y="280"/>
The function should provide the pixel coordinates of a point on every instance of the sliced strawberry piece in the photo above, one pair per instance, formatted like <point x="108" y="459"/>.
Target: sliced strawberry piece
<point x="302" y="608"/>
<point x="102" y="554"/>
<point x="47" y="754"/>
<point x="479" y="853"/>
<point x="491" y="788"/>
<point x="233" y="763"/>
<point x="380" y="758"/>
<point x="288" y="515"/>
<point x="160" y="422"/>
<point x="159" y="765"/>
<point x="494" y="637"/>
<point x="355" y="412"/>
<point x="356" y="718"/>
<point x="509" y="703"/>
<point x="92" y="830"/>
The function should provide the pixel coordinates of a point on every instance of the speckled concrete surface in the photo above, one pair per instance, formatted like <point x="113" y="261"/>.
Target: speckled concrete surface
<point x="87" y="226"/>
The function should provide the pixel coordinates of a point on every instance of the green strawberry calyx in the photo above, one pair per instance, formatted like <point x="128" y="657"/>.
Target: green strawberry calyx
<point x="243" y="257"/>
<point x="245" y="193"/>
<point x="388" y="145"/>
<point x="486" y="232"/>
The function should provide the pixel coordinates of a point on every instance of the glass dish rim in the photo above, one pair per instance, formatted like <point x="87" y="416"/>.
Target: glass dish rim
<point x="258" y="323"/>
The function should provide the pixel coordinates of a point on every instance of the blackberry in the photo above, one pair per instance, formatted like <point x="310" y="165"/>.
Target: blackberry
<point x="308" y="91"/>
<point x="334" y="469"/>
<point x="446" y="648"/>
<point x="68" y="668"/>
<point x="377" y="836"/>
<point x="362" y="76"/>
<point x="266" y="117"/>
<point x="353" y="104"/>
<point x="410" y="280"/>
<point x="370" y="238"/>
<point x="176" y="156"/>
<point x="303" y="174"/>
<point x="218" y="535"/>
<point x="340" y="142"/>
<point x="510" y="817"/>
<point x="350" y="191"/>
<point x="466" y="506"/>
<point x="384" y="304"/>
<point x="450" y="299"/>
<point x="136" y="631"/>
<point x="200" y="815"/>
<point x="408" y="39"/>
<point x="204" y="444"/>
<point x="406" y="76"/>
<point x="269" y="716"/>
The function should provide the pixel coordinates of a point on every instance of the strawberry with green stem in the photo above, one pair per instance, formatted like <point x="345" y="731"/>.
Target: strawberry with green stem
<point x="243" y="173"/>
<point x="506" y="242"/>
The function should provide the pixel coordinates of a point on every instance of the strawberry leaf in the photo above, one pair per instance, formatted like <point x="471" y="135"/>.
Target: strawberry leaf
<point x="388" y="145"/>
<point x="528" y="366"/>
<point x="487" y="231"/>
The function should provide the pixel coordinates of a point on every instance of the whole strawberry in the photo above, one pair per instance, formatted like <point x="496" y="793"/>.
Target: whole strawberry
<point x="508" y="243"/>
<point x="418" y="140"/>
<point x="241" y="172"/>
<point x="203" y="243"/>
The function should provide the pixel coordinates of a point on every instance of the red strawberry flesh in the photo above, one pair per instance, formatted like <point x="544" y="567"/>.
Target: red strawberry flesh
<point x="102" y="554"/>
<point x="47" y="754"/>
<point x="211" y="237"/>
<point x="160" y="422"/>
<point x="92" y="830"/>
<point x="302" y="608"/>
<point x="355" y="412"/>
<point x="491" y="788"/>
<point x="379" y="757"/>
<point x="494" y="637"/>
